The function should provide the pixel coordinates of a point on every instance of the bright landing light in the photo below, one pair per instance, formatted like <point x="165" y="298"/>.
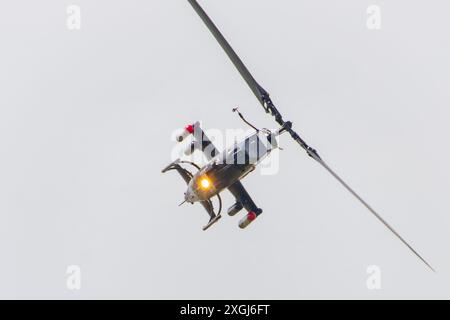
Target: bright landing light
<point x="205" y="183"/>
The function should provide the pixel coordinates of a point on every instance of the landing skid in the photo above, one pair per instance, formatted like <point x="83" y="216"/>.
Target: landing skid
<point x="211" y="222"/>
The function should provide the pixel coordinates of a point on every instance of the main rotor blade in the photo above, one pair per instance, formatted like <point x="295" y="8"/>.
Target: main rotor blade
<point x="259" y="92"/>
<point x="376" y="214"/>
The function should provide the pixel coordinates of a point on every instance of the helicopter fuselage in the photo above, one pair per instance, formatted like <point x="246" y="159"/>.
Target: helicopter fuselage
<point x="230" y="166"/>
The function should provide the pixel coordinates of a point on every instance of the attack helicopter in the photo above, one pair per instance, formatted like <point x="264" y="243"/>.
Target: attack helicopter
<point x="225" y="170"/>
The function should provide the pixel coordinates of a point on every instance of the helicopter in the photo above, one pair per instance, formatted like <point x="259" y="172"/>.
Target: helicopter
<point x="226" y="169"/>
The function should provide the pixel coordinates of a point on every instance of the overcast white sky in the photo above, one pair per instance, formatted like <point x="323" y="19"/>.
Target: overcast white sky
<point x="86" y="119"/>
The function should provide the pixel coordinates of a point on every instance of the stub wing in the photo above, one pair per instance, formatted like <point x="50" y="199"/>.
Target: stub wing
<point x="243" y="198"/>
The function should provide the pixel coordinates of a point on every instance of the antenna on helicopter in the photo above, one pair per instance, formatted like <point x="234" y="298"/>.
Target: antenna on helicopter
<point x="184" y="201"/>
<point x="264" y="98"/>
<point x="243" y="119"/>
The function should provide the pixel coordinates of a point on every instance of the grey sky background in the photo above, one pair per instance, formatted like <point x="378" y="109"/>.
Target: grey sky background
<point x="86" y="119"/>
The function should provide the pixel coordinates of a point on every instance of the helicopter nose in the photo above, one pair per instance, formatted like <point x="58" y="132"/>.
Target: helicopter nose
<point x="190" y="196"/>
